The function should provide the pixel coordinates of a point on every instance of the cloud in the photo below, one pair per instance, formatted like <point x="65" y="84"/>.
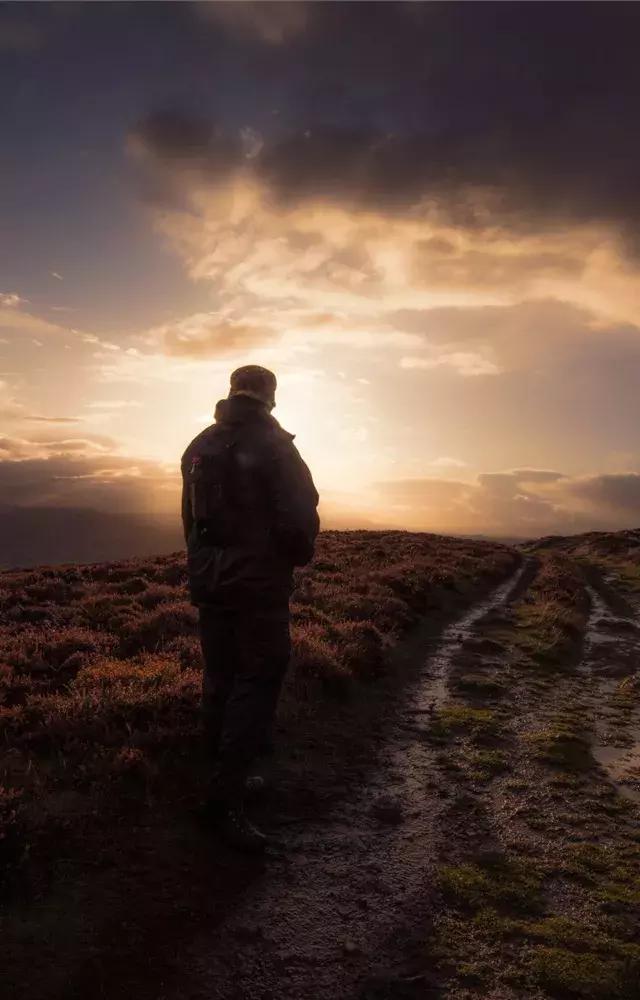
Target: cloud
<point x="11" y="300"/>
<point x="13" y="410"/>
<point x="113" y="404"/>
<point x="483" y="122"/>
<point x="463" y="362"/>
<point x="536" y="475"/>
<point x="616" y="494"/>
<point x="205" y="334"/>
<point x="422" y="493"/>
<point x="523" y="502"/>
<point x="90" y="471"/>
<point x="83" y="472"/>
<point x="447" y="462"/>
<point x="273" y="259"/>
<point x="17" y="34"/>
<point x="264" y="21"/>
<point x="16" y="321"/>
<point x="531" y="335"/>
<point x="51" y="420"/>
<point x="503" y="263"/>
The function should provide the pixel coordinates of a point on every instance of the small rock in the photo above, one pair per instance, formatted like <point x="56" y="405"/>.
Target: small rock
<point x="350" y="947"/>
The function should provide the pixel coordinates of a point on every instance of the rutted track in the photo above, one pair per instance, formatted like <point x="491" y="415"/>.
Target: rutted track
<point x="343" y="904"/>
<point x="433" y="687"/>
<point x="535" y="855"/>
<point x="612" y="662"/>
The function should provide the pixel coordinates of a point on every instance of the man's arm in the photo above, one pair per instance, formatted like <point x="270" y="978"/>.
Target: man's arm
<point x="187" y="515"/>
<point x="295" y="501"/>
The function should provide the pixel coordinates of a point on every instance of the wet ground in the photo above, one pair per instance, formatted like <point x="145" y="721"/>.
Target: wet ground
<point x="489" y="755"/>
<point x="343" y="907"/>
<point x="612" y="664"/>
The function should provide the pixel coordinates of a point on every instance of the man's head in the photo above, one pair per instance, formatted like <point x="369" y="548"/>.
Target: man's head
<point x="255" y="382"/>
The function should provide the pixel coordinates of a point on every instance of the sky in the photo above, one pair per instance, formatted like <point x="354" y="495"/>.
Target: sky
<point x="424" y="217"/>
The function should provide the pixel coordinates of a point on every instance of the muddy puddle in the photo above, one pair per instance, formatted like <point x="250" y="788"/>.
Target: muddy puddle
<point x="333" y="913"/>
<point x="612" y="657"/>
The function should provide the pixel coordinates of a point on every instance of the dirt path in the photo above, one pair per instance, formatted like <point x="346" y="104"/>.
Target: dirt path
<point x="538" y="876"/>
<point x="342" y="908"/>
<point x="480" y="845"/>
<point x="611" y="662"/>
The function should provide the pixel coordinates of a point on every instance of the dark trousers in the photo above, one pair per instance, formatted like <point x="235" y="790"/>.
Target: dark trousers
<point x="246" y="653"/>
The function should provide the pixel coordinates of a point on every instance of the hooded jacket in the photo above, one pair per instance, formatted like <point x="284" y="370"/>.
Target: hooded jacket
<point x="272" y="516"/>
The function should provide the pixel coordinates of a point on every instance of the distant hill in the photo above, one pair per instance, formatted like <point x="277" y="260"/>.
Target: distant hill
<point x="36" y="536"/>
<point x="591" y="543"/>
<point x="32" y="536"/>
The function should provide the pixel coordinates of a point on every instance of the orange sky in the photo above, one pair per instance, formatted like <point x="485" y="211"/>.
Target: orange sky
<point x="438" y="373"/>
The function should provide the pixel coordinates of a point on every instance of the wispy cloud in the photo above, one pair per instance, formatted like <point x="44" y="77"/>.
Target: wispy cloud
<point x="51" y="420"/>
<point x="113" y="404"/>
<point x="463" y="362"/>
<point x="448" y="462"/>
<point x="11" y="300"/>
<point x="18" y="321"/>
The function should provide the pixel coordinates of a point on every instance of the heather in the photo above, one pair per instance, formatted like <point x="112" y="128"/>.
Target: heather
<point x="100" y="664"/>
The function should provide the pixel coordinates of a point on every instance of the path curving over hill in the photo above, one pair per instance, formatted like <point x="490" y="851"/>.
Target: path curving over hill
<point x="465" y="827"/>
<point x="342" y="902"/>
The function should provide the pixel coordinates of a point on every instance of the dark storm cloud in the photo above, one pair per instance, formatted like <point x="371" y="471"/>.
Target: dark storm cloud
<point x="271" y="23"/>
<point x="620" y="493"/>
<point x="389" y="104"/>
<point x="17" y="32"/>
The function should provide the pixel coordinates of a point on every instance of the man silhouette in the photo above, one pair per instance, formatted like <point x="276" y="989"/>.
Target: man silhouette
<point x="249" y="514"/>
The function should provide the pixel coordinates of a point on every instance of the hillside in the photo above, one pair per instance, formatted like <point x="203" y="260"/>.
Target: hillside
<point x="456" y="785"/>
<point x="31" y="536"/>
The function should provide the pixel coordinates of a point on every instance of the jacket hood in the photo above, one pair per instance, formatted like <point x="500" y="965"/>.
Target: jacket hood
<point x="245" y="410"/>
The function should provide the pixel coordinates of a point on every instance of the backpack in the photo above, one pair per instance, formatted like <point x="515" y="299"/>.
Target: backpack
<point x="211" y="482"/>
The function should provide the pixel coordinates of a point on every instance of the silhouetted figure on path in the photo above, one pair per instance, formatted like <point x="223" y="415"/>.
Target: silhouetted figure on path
<point x="249" y="515"/>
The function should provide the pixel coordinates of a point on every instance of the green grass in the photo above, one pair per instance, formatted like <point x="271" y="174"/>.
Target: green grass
<point x="479" y="723"/>
<point x="548" y="622"/>
<point x="562" y="744"/>
<point x="480" y="686"/>
<point x="587" y="976"/>
<point x="485" y="764"/>
<point x="508" y="885"/>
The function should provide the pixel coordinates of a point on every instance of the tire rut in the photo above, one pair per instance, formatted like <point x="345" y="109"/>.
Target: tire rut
<point x="344" y="905"/>
<point x="612" y="656"/>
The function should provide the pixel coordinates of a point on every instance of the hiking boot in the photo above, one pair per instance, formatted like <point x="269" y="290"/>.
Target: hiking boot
<point x="231" y="825"/>
<point x="236" y="831"/>
<point x="254" y="784"/>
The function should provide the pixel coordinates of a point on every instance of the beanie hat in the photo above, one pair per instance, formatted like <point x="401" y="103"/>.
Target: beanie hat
<point x="255" y="382"/>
